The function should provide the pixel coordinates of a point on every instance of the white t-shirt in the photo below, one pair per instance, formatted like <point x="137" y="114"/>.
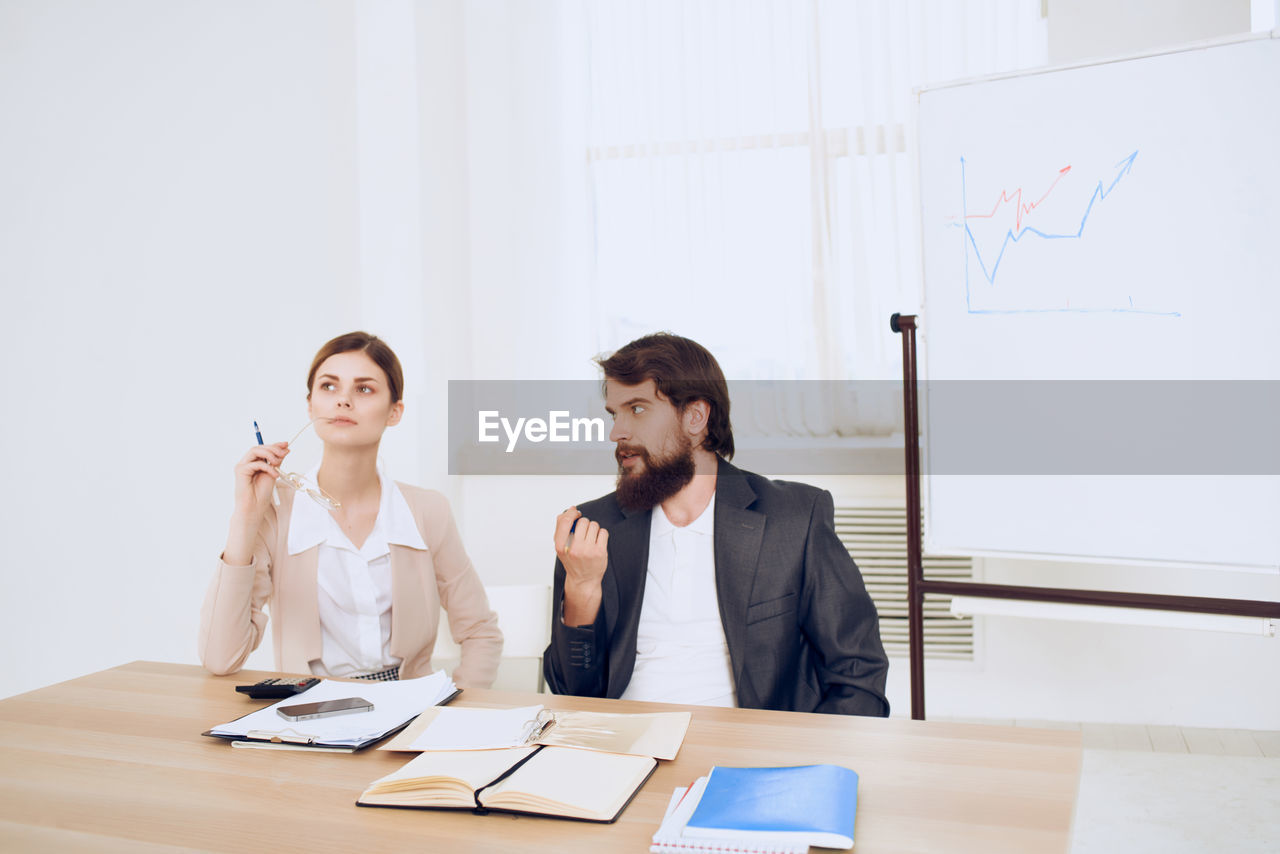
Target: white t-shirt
<point x="681" y="652"/>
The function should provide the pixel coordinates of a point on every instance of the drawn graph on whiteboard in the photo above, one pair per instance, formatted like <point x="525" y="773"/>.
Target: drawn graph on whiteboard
<point x="1041" y="247"/>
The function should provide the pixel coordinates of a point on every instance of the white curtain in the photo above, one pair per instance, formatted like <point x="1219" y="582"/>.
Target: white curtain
<point x="749" y="165"/>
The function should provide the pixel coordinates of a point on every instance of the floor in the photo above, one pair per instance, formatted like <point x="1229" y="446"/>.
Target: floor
<point x="1148" y="789"/>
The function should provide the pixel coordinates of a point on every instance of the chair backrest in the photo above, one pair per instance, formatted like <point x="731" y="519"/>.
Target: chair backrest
<point x="524" y="615"/>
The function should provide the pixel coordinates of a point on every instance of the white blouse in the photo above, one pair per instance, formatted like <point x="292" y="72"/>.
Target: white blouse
<point x="354" y="583"/>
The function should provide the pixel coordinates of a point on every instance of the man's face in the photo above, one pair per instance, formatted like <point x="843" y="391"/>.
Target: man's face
<point x="654" y="453"/>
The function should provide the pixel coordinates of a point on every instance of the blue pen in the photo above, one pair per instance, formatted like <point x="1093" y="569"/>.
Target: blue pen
<point x="257" y="432"/>
<point x="568" y="541"/>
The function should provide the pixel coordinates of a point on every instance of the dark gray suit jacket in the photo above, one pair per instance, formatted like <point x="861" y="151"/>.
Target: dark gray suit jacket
<point x="802" y="632"/>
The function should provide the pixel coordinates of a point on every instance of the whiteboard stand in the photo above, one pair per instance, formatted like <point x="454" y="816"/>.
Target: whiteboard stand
<point x="918" y="586"/>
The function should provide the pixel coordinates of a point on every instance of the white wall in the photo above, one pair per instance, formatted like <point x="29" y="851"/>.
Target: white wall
<point x="444" y="189"/>
<point x="527" y="255"/>
<point x="1097" y="29"/>
<point x="177" y="200"/>
<point x="194" y="195"/>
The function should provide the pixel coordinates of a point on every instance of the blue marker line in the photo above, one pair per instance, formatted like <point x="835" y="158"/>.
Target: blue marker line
<point x="1100" y="193"/>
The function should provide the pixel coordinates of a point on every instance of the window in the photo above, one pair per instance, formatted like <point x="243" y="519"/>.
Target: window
<point x="750" y="169"/>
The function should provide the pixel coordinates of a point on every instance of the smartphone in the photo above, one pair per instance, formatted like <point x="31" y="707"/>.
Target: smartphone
<point x="324" y="709"/>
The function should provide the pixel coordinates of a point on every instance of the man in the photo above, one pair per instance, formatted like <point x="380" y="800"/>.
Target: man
<point x="696" y="582"/>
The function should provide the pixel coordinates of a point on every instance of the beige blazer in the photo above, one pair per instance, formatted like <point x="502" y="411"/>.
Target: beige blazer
<point x="233" y="619"/>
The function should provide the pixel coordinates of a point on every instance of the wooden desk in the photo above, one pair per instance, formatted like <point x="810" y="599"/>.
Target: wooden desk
<point x="115" y="761"/>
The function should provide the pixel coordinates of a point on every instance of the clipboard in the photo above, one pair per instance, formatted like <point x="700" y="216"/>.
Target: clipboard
<point x="395" y="705"/>
<point x="295" y="737"/>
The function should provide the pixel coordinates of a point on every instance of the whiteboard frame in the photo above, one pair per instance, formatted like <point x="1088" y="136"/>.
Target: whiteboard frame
<point x="1188" y="47"/>
<point x="930" y="545"/>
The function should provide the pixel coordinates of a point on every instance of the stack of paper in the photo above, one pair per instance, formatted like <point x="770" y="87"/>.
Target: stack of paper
<point x="761" y="810"/>
<point x="394" y="704"/>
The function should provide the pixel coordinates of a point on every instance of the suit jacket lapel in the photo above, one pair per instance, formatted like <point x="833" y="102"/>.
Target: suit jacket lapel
<point x="738" y="534"/>
<point x="296" y="591"/>
<point x="408" y="616"/>
<point x="622" y="593"/>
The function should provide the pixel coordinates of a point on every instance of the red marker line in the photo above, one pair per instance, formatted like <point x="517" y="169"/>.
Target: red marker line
<point x="1006" y="197"/>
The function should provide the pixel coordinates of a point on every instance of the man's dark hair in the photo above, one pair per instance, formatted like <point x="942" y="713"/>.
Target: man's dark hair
<point x="683" y="371"/>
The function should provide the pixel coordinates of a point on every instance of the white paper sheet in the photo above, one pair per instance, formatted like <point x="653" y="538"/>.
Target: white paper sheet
<point x="477" y="729"/>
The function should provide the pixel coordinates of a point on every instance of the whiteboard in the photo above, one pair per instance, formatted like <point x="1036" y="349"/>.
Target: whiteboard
<point x="1117" y="221"/>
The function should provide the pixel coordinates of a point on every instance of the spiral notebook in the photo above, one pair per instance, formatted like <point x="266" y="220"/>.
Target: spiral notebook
<point x="761" y="811"/>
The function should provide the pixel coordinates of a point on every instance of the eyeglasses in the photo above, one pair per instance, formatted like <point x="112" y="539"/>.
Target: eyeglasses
<point x="305" y="486"/>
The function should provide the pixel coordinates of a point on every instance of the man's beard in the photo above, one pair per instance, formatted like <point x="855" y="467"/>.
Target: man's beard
<point x="660" y="478"/>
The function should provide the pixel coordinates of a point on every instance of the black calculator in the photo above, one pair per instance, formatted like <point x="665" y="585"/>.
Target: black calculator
<point x="278" y="688"/>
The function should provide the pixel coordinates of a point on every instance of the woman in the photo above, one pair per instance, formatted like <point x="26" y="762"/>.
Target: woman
<point x="356" y="571"/>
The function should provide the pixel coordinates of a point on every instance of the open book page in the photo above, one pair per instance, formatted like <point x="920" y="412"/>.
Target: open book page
<point x="658" y="735"/>
<point x="447" y="728"/>
<point x="472" y="729"/>
<point x="442" y="778"/>
<point x="572" y="783"/>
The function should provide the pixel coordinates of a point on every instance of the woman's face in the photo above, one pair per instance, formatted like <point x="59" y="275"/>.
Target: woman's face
<point x="351" y="400"/>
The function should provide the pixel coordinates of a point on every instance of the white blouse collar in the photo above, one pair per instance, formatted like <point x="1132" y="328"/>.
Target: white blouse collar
<point x="310" y="524"/>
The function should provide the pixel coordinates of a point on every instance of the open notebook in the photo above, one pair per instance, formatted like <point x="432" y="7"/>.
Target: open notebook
<point x="561" y="782"/>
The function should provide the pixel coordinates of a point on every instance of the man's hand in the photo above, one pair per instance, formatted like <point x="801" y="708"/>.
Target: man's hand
<point x="583" y="549"/>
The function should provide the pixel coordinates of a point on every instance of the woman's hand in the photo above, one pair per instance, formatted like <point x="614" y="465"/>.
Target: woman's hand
<point x="256" y="474"/>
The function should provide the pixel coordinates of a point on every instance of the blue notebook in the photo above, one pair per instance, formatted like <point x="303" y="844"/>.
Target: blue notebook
<point x="811" y="804"/>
